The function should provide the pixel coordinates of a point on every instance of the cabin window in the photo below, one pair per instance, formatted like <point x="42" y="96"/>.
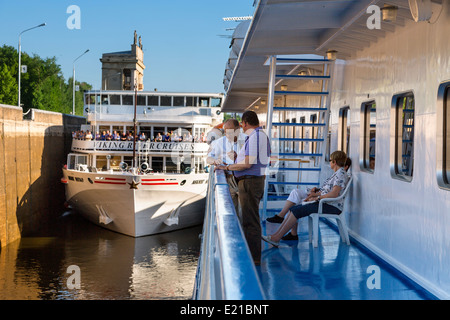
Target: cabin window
<point x="203" y="102"/>
<point x="443" y="136"/>
<point x="105" y="99"/>
<point x="102" y="163"/>
<point x="161" y="131"/>
<point x="190" y="102"/>
<point x="128" y="160"/>
<point x="157" y="164"/>
<point x="368" y="139"/>
<point x="129" y="129"/>
<point x="166" y="101"/>
<point x="102" y="129"/>
<point x="114" y="162"/>
<point x="147" y="131"/>
<point x="171" y="166"/>
<point x="402" y="133"/>
<point x="344" y="130"/>
<point x="153" y="101"/>
<point x="216" y="102"/>
<point x="114" y="99"/>
<point x="127" y="100"/>
<point x="141" y="100"/>
<point x="90" y="99"/>
<point x="178" y="101"/>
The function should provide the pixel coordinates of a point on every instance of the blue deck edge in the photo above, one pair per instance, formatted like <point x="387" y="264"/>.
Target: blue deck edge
<point x="231" y="274"/>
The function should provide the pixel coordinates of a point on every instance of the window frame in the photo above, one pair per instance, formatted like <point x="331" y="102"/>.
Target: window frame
<point x="344" y="133"/>
<point x="365" y="139"/>
<point x="443" y="135"/>
<point x="397" y="141"/>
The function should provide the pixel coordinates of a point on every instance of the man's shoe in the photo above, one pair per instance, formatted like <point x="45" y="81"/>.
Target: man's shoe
<point x="275" y="219"/>
<point x="290" y="236"/>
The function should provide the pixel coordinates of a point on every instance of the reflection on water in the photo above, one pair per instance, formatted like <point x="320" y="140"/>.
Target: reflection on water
<point x="112" y="266"/>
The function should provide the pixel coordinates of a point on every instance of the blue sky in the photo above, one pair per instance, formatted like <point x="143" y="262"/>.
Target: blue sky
<point x="182" y="47"/>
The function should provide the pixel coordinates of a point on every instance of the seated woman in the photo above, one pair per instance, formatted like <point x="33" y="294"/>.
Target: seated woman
<point x="331" y="188"/>
<point x="297" y="196"/>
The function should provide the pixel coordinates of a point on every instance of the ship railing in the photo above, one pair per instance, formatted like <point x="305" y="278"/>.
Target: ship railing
<point x="225" y="269"/>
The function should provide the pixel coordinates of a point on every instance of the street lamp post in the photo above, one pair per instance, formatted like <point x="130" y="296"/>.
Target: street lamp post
<point x="20" y="55"/>
<point x="73" y="79"/>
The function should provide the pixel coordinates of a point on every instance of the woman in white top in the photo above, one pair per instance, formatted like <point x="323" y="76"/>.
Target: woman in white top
<point x="297" y="196"/>
<point x="332" y="188"/>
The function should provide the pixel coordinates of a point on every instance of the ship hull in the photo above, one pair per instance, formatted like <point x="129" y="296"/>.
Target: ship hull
<point x="138" y="205"/>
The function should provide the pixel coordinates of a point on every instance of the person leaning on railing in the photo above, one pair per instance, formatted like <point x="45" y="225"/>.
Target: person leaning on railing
<point x="249" y="170"/>
<point x="223" y="151"/>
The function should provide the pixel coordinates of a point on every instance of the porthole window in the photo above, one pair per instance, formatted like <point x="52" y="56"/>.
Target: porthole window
<point x="402" y="136"/>
<point x="443" y="136"/>
<point x="368" y="138"/>
<point x="344" y="130"/>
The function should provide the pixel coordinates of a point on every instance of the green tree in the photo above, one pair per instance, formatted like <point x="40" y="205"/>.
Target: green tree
<point x="8" y="86"/>
<point x="42" y="87"/>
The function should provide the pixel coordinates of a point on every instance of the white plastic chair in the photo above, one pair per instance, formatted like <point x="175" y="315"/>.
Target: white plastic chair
<point x="313" y="220"/>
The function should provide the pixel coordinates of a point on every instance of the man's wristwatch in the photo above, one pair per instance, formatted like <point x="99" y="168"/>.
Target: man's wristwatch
<point x="318" y="198"/>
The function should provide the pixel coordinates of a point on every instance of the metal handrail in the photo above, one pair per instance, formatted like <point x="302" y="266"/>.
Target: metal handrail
<point x="225" y="269"/>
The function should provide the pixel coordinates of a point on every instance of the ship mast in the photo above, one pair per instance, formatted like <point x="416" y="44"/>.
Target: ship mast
<point x="134" y="121"/>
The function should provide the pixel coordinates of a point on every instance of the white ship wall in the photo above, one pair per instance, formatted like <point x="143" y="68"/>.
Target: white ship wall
<point x="407" y="223"/>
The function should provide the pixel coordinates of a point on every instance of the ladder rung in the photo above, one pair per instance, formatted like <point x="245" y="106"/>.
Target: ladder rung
<point x="298" y="154"/>
<point x="295" y="124"/>
<point x="299" y="60"/>
<point x="277" y="197"/>
<point x="291" y="76"/>
<point x="302" y="93"/>
<point x="296" y="160"/>
<point x="301" y="140"/>
<point x="298" y="169"/>
<point x="299" y="109"/>
<point x="275" y="210"/>
<point x="295" y="183"/>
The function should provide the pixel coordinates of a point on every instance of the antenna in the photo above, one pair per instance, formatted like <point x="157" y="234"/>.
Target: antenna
<point x="237" y="18"/>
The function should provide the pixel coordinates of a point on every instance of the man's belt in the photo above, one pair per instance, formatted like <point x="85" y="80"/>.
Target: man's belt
<point x="247" y="177"/>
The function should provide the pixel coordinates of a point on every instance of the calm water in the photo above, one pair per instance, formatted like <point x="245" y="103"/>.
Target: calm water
<point x="111" y="265"/>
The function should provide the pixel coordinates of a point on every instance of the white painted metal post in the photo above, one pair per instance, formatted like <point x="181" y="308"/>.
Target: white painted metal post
<point x="270" y="105"/>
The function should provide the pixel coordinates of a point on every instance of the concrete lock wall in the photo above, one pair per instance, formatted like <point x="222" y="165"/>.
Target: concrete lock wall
<point x="32" y="153"/>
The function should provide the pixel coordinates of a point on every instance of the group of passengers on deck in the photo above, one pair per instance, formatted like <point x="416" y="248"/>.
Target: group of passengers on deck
<point x="128" y="136"/>
<point x="242" y="160"/>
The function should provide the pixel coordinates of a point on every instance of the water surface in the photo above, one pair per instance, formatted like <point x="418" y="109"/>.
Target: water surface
<point x="111" y="266"/>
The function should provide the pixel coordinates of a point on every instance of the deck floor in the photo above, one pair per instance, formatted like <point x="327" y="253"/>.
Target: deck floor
<point x="332" y="271"/>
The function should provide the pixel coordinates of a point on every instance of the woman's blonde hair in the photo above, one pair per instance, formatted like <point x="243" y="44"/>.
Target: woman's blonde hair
<point x="339" y="157"/>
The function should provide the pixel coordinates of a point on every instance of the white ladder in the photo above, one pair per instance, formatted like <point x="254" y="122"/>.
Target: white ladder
<point x="308" y="151"/>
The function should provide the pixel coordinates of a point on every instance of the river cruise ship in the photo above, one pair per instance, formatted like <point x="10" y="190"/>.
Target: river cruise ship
<point x="139" y="166"/>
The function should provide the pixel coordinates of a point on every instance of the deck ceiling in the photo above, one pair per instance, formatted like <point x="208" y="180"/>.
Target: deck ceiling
<point x="292" y="27"/>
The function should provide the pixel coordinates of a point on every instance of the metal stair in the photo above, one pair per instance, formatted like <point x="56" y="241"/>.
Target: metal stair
<point x="297" y="159"/>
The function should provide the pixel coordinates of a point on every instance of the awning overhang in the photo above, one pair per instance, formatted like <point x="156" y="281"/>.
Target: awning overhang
<point x="289" y="27"/>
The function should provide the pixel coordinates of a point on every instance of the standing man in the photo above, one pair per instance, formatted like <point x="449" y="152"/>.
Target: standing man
<point x="249" y="170"/>
<point x="223" y="152"/>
